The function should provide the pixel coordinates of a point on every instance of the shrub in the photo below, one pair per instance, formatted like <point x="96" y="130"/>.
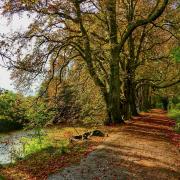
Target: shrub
<point x="63" y="147"/>
<point x="178" y="106"/>
<point x="175" y="114"/>
<point x="7" y="125"/>
<point x="2" y="177"/>
<point x="40" y="143"/>
<point x="12" y="111"/>
<point x="38" y="115"/>
<point x="35" y="145"/>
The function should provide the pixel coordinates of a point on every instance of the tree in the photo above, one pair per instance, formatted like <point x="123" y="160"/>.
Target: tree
<point x="11" y="107"/>
<point x="68" y="30"/>
<point x="148" y="45"/>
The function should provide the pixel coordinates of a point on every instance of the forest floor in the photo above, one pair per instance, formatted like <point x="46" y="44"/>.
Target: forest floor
<point x="145" y="148"/>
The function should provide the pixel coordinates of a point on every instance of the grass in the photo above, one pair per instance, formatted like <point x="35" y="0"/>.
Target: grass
<point x="53" y="153"/>
<point x="2" y="177"/>
<point x="175" y="114"/>
<point x="52" y="138"/>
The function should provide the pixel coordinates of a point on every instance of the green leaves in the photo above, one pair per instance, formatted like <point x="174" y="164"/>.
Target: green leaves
<point x="12" y="112"/>
<point x="10" y="106"/>
<point x="176" y="54"/>
<point x="15" y="108"/>
<point x="38" y="115"/>
<point x="35" y="145"/>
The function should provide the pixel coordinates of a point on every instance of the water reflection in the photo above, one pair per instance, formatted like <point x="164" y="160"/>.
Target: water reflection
<point x="12" y="143"/>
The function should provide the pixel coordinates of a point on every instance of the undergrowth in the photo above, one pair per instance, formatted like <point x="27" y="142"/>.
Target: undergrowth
<point x="175" y="114"/>
<point x="47" y="154"/>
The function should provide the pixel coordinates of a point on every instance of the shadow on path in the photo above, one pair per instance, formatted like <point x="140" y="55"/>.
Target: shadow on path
<point x="139" y="150"/>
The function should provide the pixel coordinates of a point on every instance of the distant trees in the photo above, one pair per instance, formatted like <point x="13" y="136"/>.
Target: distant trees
<point x="119" y="44"/>
<point x="11" y="107"/>
<point x="12" y="114"/>
<point x="18" y="111"/>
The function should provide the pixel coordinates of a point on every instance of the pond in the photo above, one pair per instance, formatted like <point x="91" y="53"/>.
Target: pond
<point x="10" y="143"/>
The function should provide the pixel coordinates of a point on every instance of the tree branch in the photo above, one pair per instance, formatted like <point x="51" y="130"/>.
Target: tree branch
<point x="132" y="26"/>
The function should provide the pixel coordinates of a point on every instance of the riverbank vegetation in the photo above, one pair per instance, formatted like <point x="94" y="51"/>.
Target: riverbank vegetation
<point x="50" y="152"/>
<point x="174" y="112"/>
<point x="18" y="111"/>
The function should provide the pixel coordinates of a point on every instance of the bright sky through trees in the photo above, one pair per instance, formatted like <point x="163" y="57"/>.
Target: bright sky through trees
<point x="6" y="27"/>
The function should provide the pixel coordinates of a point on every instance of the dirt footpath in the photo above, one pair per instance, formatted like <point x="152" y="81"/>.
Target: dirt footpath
<point x="141" y="149"/>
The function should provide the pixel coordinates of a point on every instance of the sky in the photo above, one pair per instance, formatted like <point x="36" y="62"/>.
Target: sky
<point x="6" y="27"/>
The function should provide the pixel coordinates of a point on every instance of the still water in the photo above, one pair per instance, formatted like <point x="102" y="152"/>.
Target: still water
<point x="10" y="143"/>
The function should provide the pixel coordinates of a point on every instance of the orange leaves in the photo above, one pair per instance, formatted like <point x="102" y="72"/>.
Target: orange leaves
<point x="175" y="138"/>
<point x="7" y="7"/>
<point x="52" y="8"/>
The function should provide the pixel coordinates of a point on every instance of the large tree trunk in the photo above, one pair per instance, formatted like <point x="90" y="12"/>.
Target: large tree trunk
<point x="114" y="94"/>
<point x="126" y="106"/>
<point x="113" y="107"/>
<point x="130" y="104"/>
<point x="114" y="103"/>
<point x="144" y="97"/>
<point x="113" y="98"/>
<point x="133" y="99"/>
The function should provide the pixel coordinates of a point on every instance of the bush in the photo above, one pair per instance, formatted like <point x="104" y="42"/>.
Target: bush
<point x="63" y="146"/>
<point x="178" y="106"/>
<point x="2" y="177"/>
<point x="17" y="111"/>
<point x="7" y="125"/>
<point x="177" y="127"/>
<point x="35" y="144"/>
<point x="40" y="143"/>
<point x="39" y="114"/>
<point x="12" y="111"/>
<point x="175" y="114"/>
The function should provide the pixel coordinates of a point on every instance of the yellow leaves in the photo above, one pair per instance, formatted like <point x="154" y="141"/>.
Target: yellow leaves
<point x="33" y="28"/>
<point x="29" y="2"/>
<point x="7" y="7"/>
<point x="10" y="6"/>
<point x="40" y="165"/>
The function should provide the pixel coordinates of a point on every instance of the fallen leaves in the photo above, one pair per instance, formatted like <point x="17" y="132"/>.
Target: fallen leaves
<point x="40" y="165"/>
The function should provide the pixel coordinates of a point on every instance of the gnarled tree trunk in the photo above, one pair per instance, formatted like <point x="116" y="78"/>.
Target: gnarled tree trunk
<point x="115" y="83"/>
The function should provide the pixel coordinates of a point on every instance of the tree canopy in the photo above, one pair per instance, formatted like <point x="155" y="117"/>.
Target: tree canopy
<point x="123" y="50"/>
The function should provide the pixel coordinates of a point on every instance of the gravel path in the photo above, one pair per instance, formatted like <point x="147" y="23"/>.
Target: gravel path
<point x="139" y="150"/>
